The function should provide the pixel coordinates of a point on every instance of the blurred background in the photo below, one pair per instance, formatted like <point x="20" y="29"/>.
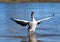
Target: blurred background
<point x="29" y="0"/>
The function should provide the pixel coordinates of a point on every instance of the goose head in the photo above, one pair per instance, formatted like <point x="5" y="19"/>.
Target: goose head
<point x="32" y="16"/>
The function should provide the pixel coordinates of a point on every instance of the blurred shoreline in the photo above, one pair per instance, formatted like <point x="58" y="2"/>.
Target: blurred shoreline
<point x="29" y="1"/>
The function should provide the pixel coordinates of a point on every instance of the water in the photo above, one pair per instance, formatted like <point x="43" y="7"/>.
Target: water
<point x="47" y="31"/>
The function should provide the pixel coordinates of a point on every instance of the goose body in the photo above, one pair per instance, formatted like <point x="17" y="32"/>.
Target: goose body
<point x="32" y="24"/>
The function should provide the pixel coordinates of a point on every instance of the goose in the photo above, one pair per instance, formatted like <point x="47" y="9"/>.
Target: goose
<point x="33" y="23"/>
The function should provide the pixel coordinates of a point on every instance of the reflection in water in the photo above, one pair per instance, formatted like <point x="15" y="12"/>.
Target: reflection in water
<point x="32" y="38"/>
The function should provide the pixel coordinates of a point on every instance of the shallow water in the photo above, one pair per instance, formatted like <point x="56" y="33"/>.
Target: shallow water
<point x="47" y="31"/>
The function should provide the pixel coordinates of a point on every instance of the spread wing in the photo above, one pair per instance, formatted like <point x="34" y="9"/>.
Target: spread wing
<point x="39" y="21"/>
<point x="21" y="22"/>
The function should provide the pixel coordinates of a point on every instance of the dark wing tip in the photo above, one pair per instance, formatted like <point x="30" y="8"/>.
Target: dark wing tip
<point x="53" y="14"/>
<point x="11" y="18"/>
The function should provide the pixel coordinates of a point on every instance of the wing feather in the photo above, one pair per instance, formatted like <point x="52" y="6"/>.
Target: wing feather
<point x="39" y="21"/>
<point x="21" y="22"/>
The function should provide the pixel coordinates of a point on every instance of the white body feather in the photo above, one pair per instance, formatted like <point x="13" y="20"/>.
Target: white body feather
<point x="33" y="25"/>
